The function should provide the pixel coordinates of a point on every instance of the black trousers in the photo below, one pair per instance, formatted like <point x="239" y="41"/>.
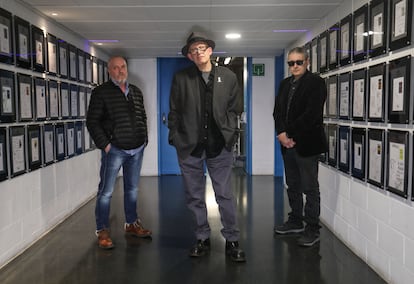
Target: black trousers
<point x="302" y="178"/>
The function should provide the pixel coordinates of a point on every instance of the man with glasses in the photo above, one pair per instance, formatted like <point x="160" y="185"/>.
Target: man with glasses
<point x="298" y="115"/>
<point x="205" y="101"/>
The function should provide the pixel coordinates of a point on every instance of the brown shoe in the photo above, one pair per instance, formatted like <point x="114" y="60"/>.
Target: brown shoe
<point x="104" y="240"/>
<point x="136" y="229"/>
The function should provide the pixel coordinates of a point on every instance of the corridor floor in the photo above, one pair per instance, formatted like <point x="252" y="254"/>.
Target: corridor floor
<point x="69" y="253"/>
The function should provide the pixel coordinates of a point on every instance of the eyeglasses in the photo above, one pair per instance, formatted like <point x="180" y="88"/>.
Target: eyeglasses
<point x="200" y="49"/>
<point x="298" y="62"/>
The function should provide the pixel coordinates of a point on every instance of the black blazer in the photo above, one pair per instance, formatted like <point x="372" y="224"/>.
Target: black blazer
<point x="304" y="122"/>
<point x="184" y="118"/>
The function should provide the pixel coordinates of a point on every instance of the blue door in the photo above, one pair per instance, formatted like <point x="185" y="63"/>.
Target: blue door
<point x="168" y="163"/>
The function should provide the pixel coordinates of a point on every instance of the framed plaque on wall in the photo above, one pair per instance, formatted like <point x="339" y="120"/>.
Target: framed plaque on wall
<point x="17" y="150"/>
<point x="38" y="50"/>
<point x="4" y="171"/>
<point x="6" y="37"/>
<point x="399" y="90"/>
<point x="48" y="144"/>
<point x="343" y="149"/>
<point x="25" y="97"/>
<point x="40" y="98"/>
<point x="7" y="106"/>
<point x="401" y="23"/>
<point x="378" y="24"/>
<point x="52" y="54"/>
<point x="22" y="35"/>
<point x="63" y="58"/>
<point x="376" y="157"/>
<point x="345" y="37"/>
<point x="358" y="153"/>
<point x="360" y="29"/>
<point x="34" y="147"/>
<point x="397" y="162"/>
<point x="376" y="98"/>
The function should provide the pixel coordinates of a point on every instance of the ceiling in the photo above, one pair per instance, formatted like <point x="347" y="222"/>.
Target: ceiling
<point x="159" y="28"/>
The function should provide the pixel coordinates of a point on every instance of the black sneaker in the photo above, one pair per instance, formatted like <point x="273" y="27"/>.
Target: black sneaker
<point x="289" y="228"/>
<point x="200" y="248"/>
<point x="309" y="238"/>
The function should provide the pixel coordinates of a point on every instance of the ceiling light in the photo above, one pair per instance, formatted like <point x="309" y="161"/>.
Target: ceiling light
<point x="54" y="14"/>
<point x="233" y="36"/>
<point x="103" y="40"/>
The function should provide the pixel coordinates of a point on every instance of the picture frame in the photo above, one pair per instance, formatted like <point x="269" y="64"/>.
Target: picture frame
<point x="74" y="101"/>
<point x="401" y="17"/>
<point x="95" y="74"/>
<point x="376" y="95"/>
<point x="81" y="66"/>
<point x="314" y="56"/>
<point x="333" y="55"/>
<point x="6" y="37"/>
<point x="360" y="39"/>
<point x="343" y="148"/>
<point x="376" y="157"/>
<point x="332" y="144"/>
<point x="40" y="99"/>
<point x="359" y="94"/>
<point x="106" y="75"/>
<point x="48" y="132"/>
<point x="346" y="40"/>
<point x="82" y="97"/>
<point x="34" y="147"/>
<point x="378" y="27"/>
<point x="64" y="100"/>
<point x="17" y="148"/>
<point x="323" y="43"/>
<point x="60" y="142"/>
<point x="397" y="162"/>
<point x="52" y="55"/>
<point x="4" y="148"/>
<point x="53" y="100"/>
<point x="73" y="62"/>
<point x="399" y="72"/>
<point x="8" y="97"/>
<point x="323" y="157"/>
<point x="70" y="139"/>
<point x="101" y="71"/>
<point x="306" y="46"/>
<point x="344" y="91"/>
<point x="63" y="55"/>
<point x="25" y="97"/>
<point x="332" y="99"/>
<point x="38" y="49"/>
<point x="88" y="68"/>
<point x="358" y="155"/>
<point x="79" y="137"/>
<point x="22" y="37"/>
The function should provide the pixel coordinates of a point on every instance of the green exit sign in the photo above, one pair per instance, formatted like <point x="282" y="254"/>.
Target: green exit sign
<point x="258" y="69"/>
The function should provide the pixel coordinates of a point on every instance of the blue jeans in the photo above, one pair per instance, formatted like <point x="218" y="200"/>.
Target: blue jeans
<point x="111" y="163"/>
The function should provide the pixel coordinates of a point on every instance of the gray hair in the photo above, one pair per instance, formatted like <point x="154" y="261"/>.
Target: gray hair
<point x="300" y="50"/>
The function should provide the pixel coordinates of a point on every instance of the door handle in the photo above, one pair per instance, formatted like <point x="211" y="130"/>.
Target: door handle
<point x="164" y="119"/>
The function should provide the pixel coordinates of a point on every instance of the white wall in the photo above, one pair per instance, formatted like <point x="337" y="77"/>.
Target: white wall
<point x="35" y="202"/>
<point x="143" y="73"/>
<point x="263" y="131"/>
<point x="374" y="223"/>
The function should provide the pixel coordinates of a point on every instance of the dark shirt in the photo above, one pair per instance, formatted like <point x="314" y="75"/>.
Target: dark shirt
<point x="210" y="138"/>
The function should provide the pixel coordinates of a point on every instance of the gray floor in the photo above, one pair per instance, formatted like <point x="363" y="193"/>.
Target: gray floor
<point x="69" y="254"/>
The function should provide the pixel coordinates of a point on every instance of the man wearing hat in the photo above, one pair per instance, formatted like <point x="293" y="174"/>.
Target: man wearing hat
<point x="204" y="104"/>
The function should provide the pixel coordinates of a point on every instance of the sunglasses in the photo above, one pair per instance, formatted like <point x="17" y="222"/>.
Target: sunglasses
<point x="298" y="62"/>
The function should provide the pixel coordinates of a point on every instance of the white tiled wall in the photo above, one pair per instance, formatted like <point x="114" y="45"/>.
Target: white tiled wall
<point x="374" y="223"/>
<point x="33" y="203"/>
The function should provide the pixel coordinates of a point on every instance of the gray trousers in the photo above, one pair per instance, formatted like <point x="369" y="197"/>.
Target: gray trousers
<point x="219" y="169"/>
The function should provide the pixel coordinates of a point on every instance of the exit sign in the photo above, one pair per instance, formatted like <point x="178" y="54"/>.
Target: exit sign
<point x="258" y="69"/>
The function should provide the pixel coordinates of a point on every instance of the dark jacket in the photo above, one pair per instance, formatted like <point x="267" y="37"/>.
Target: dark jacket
<point x="304" y="122"/>
<point x="184" y="119"/>
<point x="112" y="118"/>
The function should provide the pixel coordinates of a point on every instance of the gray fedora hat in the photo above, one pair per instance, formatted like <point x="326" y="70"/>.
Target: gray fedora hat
<point x="195" y="37"/>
